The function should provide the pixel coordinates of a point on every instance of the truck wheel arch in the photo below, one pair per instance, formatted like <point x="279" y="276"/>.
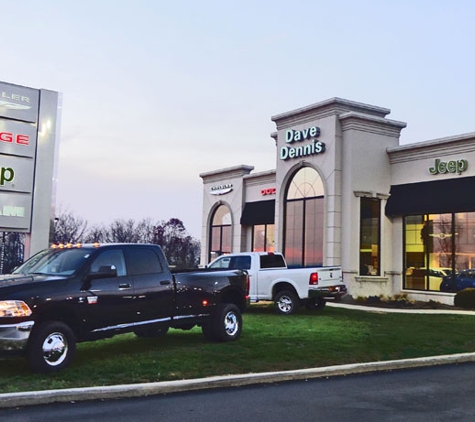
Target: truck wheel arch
<point x="286" y="302"/>
<point x="234" y="296"/>
<point x="283" y="285"/>
<point x="51" y="347"/>
<point x="285" y="297"/>
<point x="69" y="318"/>
<point x="225" y="324"/>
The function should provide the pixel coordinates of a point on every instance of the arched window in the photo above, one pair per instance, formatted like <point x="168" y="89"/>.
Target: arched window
<point x="304" y="219"/>
<point x="220" y="236"/>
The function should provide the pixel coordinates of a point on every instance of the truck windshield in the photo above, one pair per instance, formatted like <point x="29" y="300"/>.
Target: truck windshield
<point x="54" y="262"/>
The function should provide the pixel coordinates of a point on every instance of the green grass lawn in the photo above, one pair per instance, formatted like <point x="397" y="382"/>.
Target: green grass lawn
<point x="269" y="342"/>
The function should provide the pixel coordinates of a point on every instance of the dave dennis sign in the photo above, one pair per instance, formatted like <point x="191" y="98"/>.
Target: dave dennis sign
<point x="296" y="136"/>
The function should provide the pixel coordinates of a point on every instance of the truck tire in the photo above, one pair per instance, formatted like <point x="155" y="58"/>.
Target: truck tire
<point x="286" y="302"/>
<point x="51" y="347"/>
<point x="225" y="325"/>
<point x="315" y="304"/>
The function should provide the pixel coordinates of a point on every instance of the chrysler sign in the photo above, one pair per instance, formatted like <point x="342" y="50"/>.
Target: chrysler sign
<point x="221" y="189"/>
<point x="19" y="102"/>
<point x="14" y="101"/>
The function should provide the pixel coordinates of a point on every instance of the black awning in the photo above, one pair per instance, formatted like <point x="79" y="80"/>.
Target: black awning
<point x="260" y="212"/>
<point x="450" y="195"/>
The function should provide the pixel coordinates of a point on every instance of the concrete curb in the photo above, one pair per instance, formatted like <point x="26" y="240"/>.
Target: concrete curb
<point x="400" y="310"/>
<point x="148" y="389"/>
<point x="166" y="387"/>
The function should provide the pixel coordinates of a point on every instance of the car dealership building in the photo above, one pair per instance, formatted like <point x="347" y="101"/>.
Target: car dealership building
<point x="344" y="192"/>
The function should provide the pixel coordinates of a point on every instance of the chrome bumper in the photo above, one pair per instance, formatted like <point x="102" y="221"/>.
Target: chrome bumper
<point x="328" y="291"/>
<point x="13" y="337"/>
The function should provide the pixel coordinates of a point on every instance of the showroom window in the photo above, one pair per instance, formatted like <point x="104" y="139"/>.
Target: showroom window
<point x="221" y="232"/>
<point x="263" y="239"/>
<point x="259" y="217"/>
<point x="437" y="246"/>
<point x="370" y="223"/>
<point x="304" y="219"/>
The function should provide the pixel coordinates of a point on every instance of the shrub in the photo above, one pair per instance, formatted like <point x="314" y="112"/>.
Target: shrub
<point x="433" y="304"/>
<point x="400" y="300"/>
<point x="465" y="299"/>
<point x="373" y="299"/>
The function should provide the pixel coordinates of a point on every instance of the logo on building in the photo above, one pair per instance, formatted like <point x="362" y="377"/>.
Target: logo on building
<point x="441" y="167"/>
<point x="14" y="138"/>
<point x="313" y="145"/>
<point x="14" y="101"/>
<point x="7" y="174"/>
<point x="268" y="191"/>
<point x="221" y="190"/>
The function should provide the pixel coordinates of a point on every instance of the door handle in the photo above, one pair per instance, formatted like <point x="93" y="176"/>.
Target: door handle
<point x="165" y="282"/>
<point x="124" y="286"/>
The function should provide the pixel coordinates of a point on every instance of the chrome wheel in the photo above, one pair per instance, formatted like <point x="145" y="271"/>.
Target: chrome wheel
<point x="285" y="304"/>
<point x="225" y="324"/>
<point x="55" y="349"/>
<point x="231" y="323"/>
<point x="51" y="347"/>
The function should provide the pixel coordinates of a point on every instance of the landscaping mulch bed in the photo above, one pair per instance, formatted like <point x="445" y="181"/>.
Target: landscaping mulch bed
<point x="397" y="302"/>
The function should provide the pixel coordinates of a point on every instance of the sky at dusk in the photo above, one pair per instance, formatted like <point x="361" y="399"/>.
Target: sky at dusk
<point x="153" y="92"/>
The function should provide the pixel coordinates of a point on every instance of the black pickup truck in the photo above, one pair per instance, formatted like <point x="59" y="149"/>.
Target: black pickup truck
<point x="71" y="294"/>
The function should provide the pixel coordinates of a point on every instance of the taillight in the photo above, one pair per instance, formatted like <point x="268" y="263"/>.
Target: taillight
<point x="248" y="285"/>
<point x="313" y="279"/>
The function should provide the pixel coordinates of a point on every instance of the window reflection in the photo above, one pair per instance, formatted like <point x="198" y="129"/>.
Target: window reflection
<point x="221" y="233"/>
<point x="437" y="246"/>
<point x="304" y="219"/>
<point x="263" y="239"/>
<point x="370" y="223"/>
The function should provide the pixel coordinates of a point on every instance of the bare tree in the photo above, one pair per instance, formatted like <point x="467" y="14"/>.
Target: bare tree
<point x="68" y="228"/>
<point x="123" y="231"/>
<point x="97" y="234"/>
<point x="145" y="230"/>
<point x="181" y="250"/>
<point x="12" y="251"/>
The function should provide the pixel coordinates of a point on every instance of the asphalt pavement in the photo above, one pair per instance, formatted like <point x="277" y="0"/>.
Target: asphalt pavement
<point x="226" y="381"/>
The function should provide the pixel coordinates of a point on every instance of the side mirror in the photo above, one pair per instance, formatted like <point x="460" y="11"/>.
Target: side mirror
<point x="105" y="271"/>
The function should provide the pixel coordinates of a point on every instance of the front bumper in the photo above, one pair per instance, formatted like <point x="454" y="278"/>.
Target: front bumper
<point x="328" y="291"/>
<point x="14" y="337"/>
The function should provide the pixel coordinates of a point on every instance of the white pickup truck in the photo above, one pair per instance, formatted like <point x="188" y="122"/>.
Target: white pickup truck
<point x="288" y="288"/>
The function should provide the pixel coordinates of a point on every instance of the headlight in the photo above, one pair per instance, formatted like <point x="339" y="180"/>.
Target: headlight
<point x="14" y="308"/>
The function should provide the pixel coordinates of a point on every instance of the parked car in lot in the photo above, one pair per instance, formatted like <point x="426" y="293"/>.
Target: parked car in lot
<point x="459" y="281"/>
<point x="271" y="280"/>
<point x="436" y="276"/>
<point x="418" y="277"/>
<point x="62" y="296"/>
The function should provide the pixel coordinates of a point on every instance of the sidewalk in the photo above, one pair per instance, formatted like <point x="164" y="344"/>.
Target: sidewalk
<point x="166" y="387"/>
